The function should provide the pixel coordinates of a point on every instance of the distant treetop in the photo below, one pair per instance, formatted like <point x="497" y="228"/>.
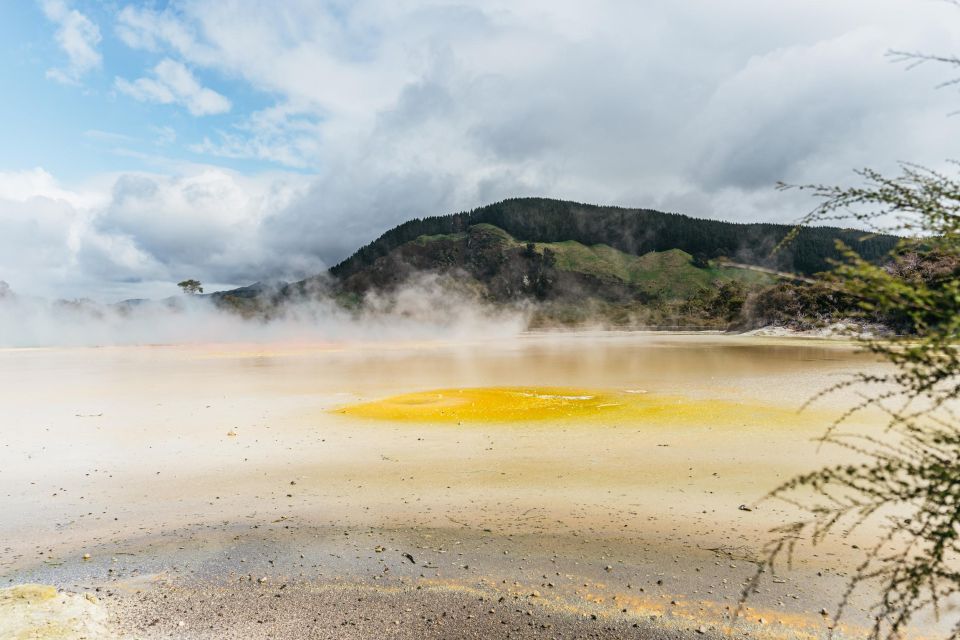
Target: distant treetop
<point x="191" y="287"/>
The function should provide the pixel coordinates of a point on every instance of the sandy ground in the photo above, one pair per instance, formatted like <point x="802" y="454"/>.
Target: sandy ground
<point x="220" y="491"/>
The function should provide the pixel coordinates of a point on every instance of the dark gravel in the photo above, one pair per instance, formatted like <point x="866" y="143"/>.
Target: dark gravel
<point x="250" y="610"/>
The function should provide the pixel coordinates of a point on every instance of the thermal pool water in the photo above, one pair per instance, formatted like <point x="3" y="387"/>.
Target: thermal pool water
<point x="603" y="471"/>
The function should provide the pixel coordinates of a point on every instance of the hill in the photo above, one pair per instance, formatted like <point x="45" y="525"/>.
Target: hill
<point x="562" y="276"/>
<point x="580" y="263"/>
<point x="635" y="232"/>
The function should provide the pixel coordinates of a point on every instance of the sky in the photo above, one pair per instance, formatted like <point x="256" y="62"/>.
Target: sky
<point x="233" y="141"/>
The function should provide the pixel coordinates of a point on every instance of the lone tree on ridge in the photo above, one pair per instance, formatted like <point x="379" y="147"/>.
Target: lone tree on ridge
<point x="191" y="287"/>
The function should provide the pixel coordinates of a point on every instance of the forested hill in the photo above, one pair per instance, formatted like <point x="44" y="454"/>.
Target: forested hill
<point x="634" y="231"/>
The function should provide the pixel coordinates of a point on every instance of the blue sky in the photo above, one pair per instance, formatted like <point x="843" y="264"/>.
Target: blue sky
<point x="238" y="140"/>
<point x="79" y="129"/>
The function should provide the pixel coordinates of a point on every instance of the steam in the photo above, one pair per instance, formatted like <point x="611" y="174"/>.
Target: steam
<point x="426" y="308"/>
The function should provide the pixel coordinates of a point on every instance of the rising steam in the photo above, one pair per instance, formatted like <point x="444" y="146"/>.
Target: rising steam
<point x="425" y="308"/>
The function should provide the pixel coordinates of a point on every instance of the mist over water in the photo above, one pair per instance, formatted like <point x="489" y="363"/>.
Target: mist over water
<point x="422" y="310"/>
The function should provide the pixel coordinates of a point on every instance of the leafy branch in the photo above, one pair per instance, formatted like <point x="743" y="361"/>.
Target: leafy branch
<point x="907" y="482"/>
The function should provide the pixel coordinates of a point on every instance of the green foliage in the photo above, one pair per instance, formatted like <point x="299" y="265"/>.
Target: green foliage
<point x="655" y="276"/>
<point x="909" y="482"/>
<point x="796" y="305"/>
<point x="920" y="286"/>
<point x="635" y="232"/>
<point x="191" y="287"/>
<point x="723" y="301"/>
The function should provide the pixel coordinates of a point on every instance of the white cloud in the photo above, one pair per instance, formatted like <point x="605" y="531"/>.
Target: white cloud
<point x="78" y="37"/>
<point x="24" y="186"/>
<point x="165" y="135"/>
<point x="281" y="134"/>
<point x="42" y="223"/>
<point x="173" y="83"/>
<point x="142" y="28"/>
<point x="138" y="234"/>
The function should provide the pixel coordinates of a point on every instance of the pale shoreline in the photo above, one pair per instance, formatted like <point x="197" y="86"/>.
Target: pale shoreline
<point x="128" y="458"/>
<point x="767" y="334"/>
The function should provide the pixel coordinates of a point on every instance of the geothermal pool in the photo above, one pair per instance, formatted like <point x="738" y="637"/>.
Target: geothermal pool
<point x="562" y="479"/>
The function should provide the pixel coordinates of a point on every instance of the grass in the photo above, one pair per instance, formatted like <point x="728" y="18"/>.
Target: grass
<point x="669" y="274"/>
<point x="425" y="240"/>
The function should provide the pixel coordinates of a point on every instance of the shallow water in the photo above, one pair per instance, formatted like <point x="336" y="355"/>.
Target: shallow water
<point x="646" y="442"/>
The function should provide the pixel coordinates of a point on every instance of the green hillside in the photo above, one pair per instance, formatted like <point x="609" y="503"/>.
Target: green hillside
<point x="670" y="274"/>
<point x="635" y="232"/>
<point x="570" y="281"/>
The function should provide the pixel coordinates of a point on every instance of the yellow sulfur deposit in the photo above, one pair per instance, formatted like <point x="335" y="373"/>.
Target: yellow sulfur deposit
<point x="516" y="404"/>
<point x="40" y="612"/>
<point x="29" y="593"/>
<point x="488" y="404"/>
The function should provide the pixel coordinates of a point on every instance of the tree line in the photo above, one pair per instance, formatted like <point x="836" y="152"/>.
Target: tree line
<point x="639" y="231"/>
